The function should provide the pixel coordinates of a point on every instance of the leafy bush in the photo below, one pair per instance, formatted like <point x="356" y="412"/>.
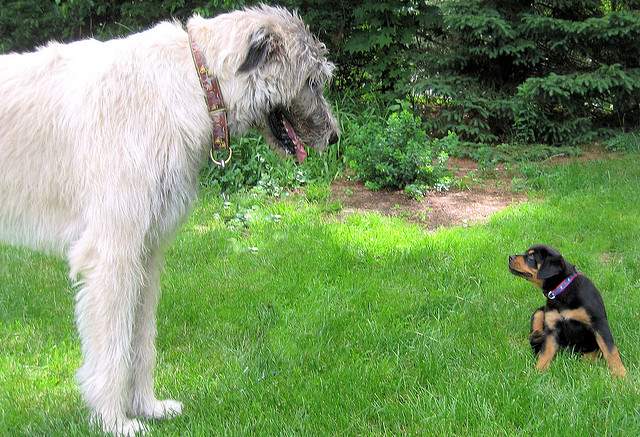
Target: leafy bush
<point x="397" y="153"/>
<point x="255" y="165"/>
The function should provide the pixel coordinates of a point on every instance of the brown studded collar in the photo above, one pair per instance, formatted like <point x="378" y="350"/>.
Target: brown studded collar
<point x="215" y="103"/>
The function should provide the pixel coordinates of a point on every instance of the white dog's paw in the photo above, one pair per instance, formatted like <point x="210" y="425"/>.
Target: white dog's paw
<point x="160" y="409"/>
<point x="131" y="428"/>
<point x="123" y="427"/>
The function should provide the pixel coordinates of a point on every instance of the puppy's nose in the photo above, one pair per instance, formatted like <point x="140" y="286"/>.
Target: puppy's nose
<point x="334" y="138"/>
<point x="511" y="258"/>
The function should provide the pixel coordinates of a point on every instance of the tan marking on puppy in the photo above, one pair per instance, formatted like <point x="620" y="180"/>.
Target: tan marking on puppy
<point x="613" y="358"/>
<point x="548" y="352"/>
<point x="591" y="356"/>
<point x="538" y="321"/>
<point x="520" y="265"/>
<point x="551" y="318"/>
<point x="578" y="314"/>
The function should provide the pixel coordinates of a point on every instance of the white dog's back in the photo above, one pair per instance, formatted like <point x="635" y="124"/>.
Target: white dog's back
<point x="69" y="113"/>
<point x="39" y="184"/>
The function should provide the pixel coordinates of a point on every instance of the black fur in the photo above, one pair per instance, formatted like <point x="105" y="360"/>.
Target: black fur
<point x="259" y="46"/>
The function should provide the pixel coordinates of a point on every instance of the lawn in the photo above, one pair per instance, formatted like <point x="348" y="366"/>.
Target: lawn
<point x="286" y="320"/>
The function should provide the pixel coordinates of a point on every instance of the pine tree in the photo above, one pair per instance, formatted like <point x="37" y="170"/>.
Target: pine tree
<point x="552" y="71"/>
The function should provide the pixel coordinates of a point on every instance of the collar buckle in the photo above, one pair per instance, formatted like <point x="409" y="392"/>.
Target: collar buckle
<point x="562" y="286"/>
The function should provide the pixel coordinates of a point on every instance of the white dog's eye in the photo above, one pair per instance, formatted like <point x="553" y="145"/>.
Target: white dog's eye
<point x="314" y="85"/>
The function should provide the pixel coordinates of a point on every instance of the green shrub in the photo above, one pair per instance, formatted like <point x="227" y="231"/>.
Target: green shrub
<point x="559" y="72"/>
<point x="397" y="153"/>
<point x="255" y="165"/>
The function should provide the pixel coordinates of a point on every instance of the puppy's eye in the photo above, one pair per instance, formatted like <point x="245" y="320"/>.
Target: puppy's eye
<point x="531" y="261"/>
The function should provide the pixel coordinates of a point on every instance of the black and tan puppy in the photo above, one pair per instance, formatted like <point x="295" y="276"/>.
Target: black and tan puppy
<point x="573" y="316"/>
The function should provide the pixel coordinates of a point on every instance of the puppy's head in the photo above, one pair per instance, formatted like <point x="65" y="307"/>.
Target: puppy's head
<point x="538" y="264"/>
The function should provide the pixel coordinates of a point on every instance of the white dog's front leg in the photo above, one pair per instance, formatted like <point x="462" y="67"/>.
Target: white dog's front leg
<point x="143" y="399"/>
<point x="105" y="309"/>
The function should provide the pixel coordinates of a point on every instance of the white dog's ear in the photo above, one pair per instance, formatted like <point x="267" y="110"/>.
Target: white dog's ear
<point x="263" y="45"/>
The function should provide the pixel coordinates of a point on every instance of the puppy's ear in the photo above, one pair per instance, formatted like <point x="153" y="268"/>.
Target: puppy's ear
<point x="263" y="44"/>
<point x="551" y="266"/>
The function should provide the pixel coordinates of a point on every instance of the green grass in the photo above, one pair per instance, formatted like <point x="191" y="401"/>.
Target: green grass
<point x="283" y="320"/>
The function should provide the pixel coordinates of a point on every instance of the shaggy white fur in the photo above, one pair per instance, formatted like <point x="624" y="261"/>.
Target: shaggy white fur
<point x="101" y="144"/>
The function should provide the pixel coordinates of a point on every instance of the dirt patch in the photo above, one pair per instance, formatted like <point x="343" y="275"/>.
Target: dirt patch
<point x="588" y="154"/>
<point x="452" y="208"/>
<point x="435" y="210"/>
<point x="465" y="207"/>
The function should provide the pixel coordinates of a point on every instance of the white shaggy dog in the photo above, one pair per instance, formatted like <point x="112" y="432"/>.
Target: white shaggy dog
<point x="101" y="144"/>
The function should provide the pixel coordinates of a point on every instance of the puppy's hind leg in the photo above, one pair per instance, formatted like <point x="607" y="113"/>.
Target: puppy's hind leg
<point x="111" y="278"/>
<point x="143" y="399"/>
<point x="608" y="348"/>
<point x="549" y="349"/>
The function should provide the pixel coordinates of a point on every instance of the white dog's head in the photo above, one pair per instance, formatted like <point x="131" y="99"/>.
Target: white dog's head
<point x="273" y="73"/>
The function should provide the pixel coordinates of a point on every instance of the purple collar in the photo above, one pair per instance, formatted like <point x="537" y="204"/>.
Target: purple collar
<point x="562" y="287"/>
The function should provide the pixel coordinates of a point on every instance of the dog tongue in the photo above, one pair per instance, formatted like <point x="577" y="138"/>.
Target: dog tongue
<point x="301" y="152"/>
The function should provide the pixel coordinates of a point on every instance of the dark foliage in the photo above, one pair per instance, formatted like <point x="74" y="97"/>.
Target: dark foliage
<point x="553" y="71"/>
<point x="25" y="24"/>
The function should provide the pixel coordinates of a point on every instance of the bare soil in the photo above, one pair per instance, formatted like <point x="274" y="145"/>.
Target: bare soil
<point x="450" y="208"/>
<point x="435" y="210"/>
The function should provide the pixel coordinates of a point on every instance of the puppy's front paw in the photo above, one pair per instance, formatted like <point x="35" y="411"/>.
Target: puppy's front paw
<point x="536" y="337"/>
<point x="536" y="340"/>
